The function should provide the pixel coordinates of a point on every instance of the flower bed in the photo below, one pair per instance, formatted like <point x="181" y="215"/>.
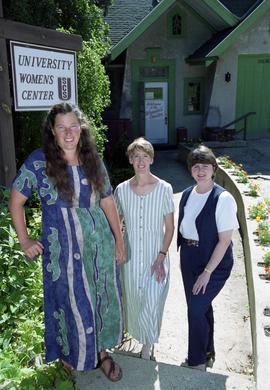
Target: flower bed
<point x="253" y="215"/>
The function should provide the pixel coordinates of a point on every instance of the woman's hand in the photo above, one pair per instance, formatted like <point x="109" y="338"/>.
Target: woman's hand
<point x="32" y="248"/>
<point x="201" y="283"/>
<point x="120" y="251"/>
<point x="109" y="207"/>
<point x="158" y="270"/>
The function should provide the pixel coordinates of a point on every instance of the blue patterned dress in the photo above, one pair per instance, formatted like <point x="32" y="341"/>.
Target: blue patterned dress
<point x="82" y="303"/>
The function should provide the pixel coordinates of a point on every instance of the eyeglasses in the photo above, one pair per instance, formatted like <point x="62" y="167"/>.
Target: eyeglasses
<point x="73" y="128"/>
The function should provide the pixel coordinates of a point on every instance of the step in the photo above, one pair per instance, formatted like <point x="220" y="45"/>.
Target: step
<point x="139" y="374"/>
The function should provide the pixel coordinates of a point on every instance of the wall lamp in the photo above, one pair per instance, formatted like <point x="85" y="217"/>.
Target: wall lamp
<point x="227" y="77"/>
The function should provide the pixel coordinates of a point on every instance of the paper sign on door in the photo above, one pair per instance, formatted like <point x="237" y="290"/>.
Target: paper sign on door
<point x="154" y="109"/>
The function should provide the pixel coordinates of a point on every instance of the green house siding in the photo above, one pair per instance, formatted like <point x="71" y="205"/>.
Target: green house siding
<point x="253" y="91"/>
<point x="138" y="78"/>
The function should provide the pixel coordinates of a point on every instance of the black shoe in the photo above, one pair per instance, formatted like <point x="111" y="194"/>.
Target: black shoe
<point x="210" y="359"/>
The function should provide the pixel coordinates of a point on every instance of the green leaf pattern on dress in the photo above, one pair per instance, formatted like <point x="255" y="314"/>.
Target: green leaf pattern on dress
<point x="62" y="339"/>
<point x="27" y="178"/>
<point x="55" y="250"/>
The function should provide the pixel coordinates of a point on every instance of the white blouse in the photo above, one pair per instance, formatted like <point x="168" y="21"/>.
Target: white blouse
<point x="226" y="218"/>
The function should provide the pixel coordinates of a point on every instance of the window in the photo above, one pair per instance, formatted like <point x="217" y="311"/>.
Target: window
<point x="176" y="25"/>
<point x="193" y="95"/>
<point x="176" y="22"/>
<point x="153" y="93"/>
<point x="148" y="71"/>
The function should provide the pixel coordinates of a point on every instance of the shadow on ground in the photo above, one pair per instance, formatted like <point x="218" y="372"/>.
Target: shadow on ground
<point x="168" y="167"/>
<point x="139" y="374"/>
<point x="254" y="157"/>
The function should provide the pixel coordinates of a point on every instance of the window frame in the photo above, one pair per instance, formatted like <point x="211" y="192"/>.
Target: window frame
<point x="176" y="11"/>
<point x="201" y="81"/>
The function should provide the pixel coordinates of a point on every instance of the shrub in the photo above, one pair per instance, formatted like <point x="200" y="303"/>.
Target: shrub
<point x="21" y="308"/>
<point x="264" y="237"/>
<point x="226" y="162"/>
<point x="253" y="190"/>
<point x="259" y="211"/>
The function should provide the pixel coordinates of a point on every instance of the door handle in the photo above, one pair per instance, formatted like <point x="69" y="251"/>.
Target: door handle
<point x="166" y="120"/>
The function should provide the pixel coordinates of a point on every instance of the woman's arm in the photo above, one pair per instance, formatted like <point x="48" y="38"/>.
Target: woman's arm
<point x="31" y="248"/>
<point x="109" y="207"/>
<point x="217" y="255"/>
<point x="157" y="267"/>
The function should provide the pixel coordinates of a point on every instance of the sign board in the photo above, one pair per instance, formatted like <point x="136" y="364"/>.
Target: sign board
<point x="154" y="109"/>
<point x="42" y="76"/>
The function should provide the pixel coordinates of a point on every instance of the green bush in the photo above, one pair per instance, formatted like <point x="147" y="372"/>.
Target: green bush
<point x="118" y="175"/>
<point x="21" y="308"/>
<point x="119" y="168"/>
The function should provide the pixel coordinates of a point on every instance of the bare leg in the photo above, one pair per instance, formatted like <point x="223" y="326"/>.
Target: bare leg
<point x="67" y="366"/>
<point x="146" y="351"/>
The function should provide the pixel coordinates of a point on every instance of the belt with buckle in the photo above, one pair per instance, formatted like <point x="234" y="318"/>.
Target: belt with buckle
<point x="190" y="242"/>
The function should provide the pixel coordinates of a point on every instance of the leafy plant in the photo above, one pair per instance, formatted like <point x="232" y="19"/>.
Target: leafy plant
<point x="117" y="162"/>
<point x="259" y="211"/>
<point x="193" y="141"/>
<point x="118" y="175"/>
<point x="253" y="190"/>
<point x="47" y="377"/>
<point x="264" y="237"/>
<point x="262" y="225"/>
<point x="226" y="162"/>
<point x="21" y="308"/>
<point x="242" y="176"/>
<point x="266" y="259"/>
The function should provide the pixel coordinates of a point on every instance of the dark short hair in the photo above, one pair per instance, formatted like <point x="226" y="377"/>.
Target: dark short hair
<point x="201" y="155"/>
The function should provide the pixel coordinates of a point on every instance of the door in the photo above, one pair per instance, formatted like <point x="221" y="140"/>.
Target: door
<point x="156" y="112"/>
<point x="253" y="92"/>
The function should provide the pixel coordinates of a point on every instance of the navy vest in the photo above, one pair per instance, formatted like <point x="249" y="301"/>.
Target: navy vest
<point x="206" y="225"/>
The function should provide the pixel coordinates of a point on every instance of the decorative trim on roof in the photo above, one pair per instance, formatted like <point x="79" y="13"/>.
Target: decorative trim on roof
<point x="129" y="32"/>
<point x="220" y="9"/>
<point x="146" y="22"/>
<point x="242" y="27"/>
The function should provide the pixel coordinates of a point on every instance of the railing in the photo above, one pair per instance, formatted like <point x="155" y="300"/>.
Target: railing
<point x="244" y="129"/>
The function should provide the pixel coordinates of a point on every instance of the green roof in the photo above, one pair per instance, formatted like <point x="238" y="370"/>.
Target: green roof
<point x="138" y="28"/>
<point x="240" y="7"/>
<point x="224" y="44"/>
<point x="124" y="15"/>
<point x="128" y="19"/>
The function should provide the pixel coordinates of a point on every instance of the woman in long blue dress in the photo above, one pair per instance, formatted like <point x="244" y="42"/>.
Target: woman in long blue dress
<point x="81" y="242"/>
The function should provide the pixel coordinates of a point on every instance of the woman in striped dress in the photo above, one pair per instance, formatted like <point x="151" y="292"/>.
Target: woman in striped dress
<point x="145" y="204"/>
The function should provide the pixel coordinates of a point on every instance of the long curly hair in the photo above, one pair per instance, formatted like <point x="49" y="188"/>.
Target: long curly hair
<point x="56" y="165"/>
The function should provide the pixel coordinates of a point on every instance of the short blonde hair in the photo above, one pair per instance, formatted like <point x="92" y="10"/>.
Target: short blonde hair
<point x="140" y="144"/>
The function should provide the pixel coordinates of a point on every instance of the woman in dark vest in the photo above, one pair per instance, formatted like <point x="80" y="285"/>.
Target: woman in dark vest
<point x="207" y="219"/>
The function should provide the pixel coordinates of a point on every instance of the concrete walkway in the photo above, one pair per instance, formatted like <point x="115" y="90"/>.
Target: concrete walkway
<point x="233" y="366"/>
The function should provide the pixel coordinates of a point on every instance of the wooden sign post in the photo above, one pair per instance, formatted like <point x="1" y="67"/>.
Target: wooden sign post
<point x="10" y="30"/>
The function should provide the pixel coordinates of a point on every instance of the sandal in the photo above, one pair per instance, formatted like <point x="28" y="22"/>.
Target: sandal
<point x="111" y="371"/>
